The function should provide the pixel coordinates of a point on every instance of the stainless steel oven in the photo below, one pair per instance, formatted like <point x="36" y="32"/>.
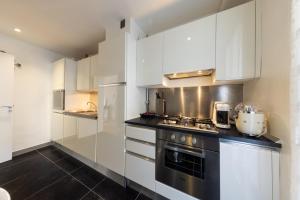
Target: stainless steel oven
<point x="58" y="100"/>
<point x="189" y="163"/>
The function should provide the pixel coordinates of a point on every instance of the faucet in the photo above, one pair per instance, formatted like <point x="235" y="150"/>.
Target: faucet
<point x="95" y="107"/>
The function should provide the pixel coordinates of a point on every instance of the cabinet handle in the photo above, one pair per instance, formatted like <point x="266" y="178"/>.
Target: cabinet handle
<point x="140" y="156"/>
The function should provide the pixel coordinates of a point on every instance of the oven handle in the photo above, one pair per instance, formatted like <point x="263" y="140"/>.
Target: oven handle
<point x="178" y="149"/>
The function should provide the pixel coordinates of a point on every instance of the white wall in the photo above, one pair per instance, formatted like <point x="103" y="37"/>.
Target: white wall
<point x="32" y="92"/>
<point x="271" y="92"/>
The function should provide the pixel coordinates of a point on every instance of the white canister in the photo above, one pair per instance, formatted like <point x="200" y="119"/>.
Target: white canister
<point x="252" y="124"/>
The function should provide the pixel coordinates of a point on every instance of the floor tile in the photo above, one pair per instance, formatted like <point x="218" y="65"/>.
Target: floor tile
<point x="143" y="197"/>
<point x="88" y="176"/>
<point x="19" y="159"/>
<point x="91" y="196"/>
<point x="110" y="190"/>
<point x="69" y="164"/>
<point x="67" y="188"/>
<point x="33" y="177"/>
<point x="53" y="155"/>
<point x="12" y="172"/>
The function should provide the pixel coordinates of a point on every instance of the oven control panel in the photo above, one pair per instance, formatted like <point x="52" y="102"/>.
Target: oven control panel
<point x="193" y="140"/>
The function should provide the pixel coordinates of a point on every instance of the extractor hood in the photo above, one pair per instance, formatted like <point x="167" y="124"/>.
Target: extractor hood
<point x="193" y="74"/>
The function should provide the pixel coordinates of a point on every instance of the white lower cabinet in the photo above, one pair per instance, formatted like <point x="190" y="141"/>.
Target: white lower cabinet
<point x="80" y="135"/>
<point x="171" y="193"/>
<point x="57" y="127"/>
<point x="248" y="172"/>
<point x="140" y="156"/>
<point x="140" y="170"/>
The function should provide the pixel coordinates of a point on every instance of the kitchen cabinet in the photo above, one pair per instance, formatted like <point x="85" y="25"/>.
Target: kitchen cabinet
<point x="86" y="138"/>
<point x="87" y="73"/>
<point x="112" y="62"/>
<point x="150" y="61"/>
<point x="236" y="43"/>
<point x="58" y="80"/>
<point x="248" y="172"/>
<point x="64" y="75"/>
<point x="171" y="193"/>
<point x="80" y="135"/>
<point x="94" y="72"/>
<point x="140" y="156"/>
<point x="57" y="127"/>
<point x="83" y="74"/>
<point x="190" y="47"/>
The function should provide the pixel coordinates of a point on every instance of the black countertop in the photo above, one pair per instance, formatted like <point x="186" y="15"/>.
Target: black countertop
<point x="230" y="134"/>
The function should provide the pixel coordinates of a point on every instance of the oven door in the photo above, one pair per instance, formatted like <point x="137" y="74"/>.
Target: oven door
<point x="188" y="169"/>
<point x="59" y="99"/>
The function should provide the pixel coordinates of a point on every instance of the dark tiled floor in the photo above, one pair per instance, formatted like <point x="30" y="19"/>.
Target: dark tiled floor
<point x="50" y="174"/>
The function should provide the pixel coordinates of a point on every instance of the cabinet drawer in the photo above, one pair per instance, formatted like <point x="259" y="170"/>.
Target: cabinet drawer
<point x="143" y="149"/>
<point x="143" y="134"/>
<point x="140" y="171"/>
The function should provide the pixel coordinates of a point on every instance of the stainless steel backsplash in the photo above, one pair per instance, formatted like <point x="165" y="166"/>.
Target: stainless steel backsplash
<point x="195" y="101"/>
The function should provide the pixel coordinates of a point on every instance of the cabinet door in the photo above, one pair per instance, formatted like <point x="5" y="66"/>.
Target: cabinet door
<point x="235" y="57"/>
<point x="86" y="138"/>
<point x="57" y="128"/>
<point x="246" y="172"/>
<point x="70" y="75"/>
<point x="140" y="170"/>
<point x="83" y="74"/>
<point x="95" y="72"/>
<point x="149" y="61"/>
<point x="111" y="128"/>
<point x="59" y="75"/>
<point x="112" y="60"/>
<point x="70" y="132"/>
<point x="190" y="47"/>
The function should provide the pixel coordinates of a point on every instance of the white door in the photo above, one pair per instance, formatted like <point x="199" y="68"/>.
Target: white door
<point x="6" y="105"/>
<point x="245" y="172"/>
<point x="235" y="53"/>
<point x="111" y="128"/>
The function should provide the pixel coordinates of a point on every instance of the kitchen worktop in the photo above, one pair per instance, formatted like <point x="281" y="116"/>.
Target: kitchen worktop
<point x="230" y="134"/>
<point x="83" y="114"/>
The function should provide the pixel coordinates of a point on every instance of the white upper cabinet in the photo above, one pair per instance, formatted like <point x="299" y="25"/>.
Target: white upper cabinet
<point x="58" y="76"/>
<point x="190" y="47"/>
<point x="83" y="74"/>
<point x="94" y="72"/>
<point x="149" y="60"/>
<point x="87" y="73"/>
<point x="112" y="60"/>
<point x="64" y="75"/>
<point x="235" y="53"/>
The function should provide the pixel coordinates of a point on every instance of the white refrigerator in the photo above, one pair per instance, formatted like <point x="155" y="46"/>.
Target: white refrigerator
<point x="6" y="105"/>
<point x="119" y="99"/>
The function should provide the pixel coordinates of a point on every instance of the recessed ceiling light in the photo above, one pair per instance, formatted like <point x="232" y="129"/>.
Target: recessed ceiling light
<point x="189" y="38"/>
<point x="17" y="30"/>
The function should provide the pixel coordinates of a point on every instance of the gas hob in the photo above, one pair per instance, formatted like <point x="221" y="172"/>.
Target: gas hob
<point x="204" y="125"/>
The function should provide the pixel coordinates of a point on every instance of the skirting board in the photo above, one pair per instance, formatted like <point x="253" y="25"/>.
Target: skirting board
<point x="23" y="151"/>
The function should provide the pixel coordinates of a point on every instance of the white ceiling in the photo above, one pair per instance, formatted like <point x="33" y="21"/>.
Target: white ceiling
<point x="74" y="27"/>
